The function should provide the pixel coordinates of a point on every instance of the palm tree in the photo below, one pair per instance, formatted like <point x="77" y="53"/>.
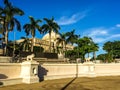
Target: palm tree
<point x="31" y="28"/>
<point x="94" y="49"/>
<point x="50" y="26"/>
<point x="25" y="45"/>
<point x="13" y="47"/>
<point x="2" y="33"/>
<point x="8" y="13"/>
<point x="62" y="41"/>
<point x="84" y="46"/>
<point x="87" y="44"/>
<point x="108" y="47"/>
<point x="80" y="49"/>
<point x="72" y="37"/>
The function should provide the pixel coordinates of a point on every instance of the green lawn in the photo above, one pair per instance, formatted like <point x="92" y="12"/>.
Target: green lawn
<point x="99" y="83"/>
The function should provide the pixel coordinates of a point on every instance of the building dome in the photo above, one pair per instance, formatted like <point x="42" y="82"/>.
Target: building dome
<point x="54" y="36"/>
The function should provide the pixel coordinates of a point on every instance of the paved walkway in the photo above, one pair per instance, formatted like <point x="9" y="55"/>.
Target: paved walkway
<point x="99" y="83"/>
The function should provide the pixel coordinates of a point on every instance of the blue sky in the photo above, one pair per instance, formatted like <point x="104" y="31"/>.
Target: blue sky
<point x="99" y="19"/>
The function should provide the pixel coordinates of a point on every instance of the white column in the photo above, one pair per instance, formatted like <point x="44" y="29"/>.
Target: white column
<point x="29" y="72"/>
<point x="89" y="69"/>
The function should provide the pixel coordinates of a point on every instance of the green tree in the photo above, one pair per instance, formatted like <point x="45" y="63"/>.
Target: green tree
<point x="50" y="26"/>
<point x="108" y="47"/>
<point x="9" y="12"/>
<point x="102" y="57"/>
<point x="31" y="28"/>
<point x="62" y="41"/>
<point x="72" y="37"/>
<point x="116" y="49"/>
<point x="2" y="32"/>
<point x="13" y="48"/>
<point x="94" y="48"/>
<point x="38" y="49"/>
<point x="84" y="46"/>
<point x="2" y="35"/>
<point x="80" y="48"/>
<point x="25" y="45"/>
<point x="88" y="41"/>
<point x="72" y="54"/>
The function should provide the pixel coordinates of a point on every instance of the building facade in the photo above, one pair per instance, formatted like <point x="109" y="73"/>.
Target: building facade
<point x="45" y="43"/>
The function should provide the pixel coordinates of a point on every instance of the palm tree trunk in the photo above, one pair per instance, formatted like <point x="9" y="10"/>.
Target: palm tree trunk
<point x="65" y="50"/>
<point x="94" y="56"/>
<point x="54" y="45"/>
<point x="32" y="44"/>
<point x="3" y="42"/>
<point x="50" y="41"/>
<point x="6" y="38"/>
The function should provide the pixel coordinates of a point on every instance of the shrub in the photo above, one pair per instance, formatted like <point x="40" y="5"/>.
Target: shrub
<point x="38" y="49"/>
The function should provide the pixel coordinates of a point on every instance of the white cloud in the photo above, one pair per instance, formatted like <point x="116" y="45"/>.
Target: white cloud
<point x="113" y="36"/>
<point x="117" y="25"/>
<point x="98" y="39"/>
<point x="93" y="32"/>
<point x="64" y="20"/>
<point x="97" y="32"/>
<point x="104" y="39"/>
<point x="100" y="35"/>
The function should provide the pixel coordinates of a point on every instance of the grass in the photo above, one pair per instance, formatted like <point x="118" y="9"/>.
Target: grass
<point x="98" y="83"/>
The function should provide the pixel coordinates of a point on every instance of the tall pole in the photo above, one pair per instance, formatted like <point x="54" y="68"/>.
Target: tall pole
<point x="14" y="44"/>
<point x="77" y="67"/>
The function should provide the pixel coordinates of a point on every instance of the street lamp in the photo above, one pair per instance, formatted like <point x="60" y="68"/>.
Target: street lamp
<point x="14" y="44"/>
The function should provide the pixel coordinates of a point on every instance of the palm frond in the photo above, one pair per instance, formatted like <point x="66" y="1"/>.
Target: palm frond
<point x="31" y="19"/>
<point x="17" y="11"/>
<point x="11" y="25"/>
<point x="17" y="24"/>
<point x="37" y="21"/>
<point x="6" y="2"/>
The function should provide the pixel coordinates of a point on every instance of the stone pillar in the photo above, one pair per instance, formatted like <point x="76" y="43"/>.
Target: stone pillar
<point x="89" y="69"/>
<point x="29" y="72"/>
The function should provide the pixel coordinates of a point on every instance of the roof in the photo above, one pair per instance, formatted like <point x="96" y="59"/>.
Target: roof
<point x="54" y="36"/>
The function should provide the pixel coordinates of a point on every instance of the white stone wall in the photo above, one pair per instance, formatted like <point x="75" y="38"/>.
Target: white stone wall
<point x="16" y="73"/>
<point x="107" y="69"/>
<point x="10" y="70"/>
<point x="28" y="72"/>
<point x="57" y="71"/>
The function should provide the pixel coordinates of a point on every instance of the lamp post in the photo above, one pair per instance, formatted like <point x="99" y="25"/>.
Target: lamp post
<point x="77" y="71"/>
<point x="14" y="44"/>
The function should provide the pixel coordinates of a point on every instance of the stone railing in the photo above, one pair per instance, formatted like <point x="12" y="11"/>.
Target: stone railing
<point x="16" y="73"/>
<point x="107" y="69"/>
<point x="10" y="70"/>
<point x="32" y="72"/>
<point x="57" y="71"/>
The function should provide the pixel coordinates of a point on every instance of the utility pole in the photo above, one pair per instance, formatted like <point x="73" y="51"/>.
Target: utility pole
<point x="14" y="44"/>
